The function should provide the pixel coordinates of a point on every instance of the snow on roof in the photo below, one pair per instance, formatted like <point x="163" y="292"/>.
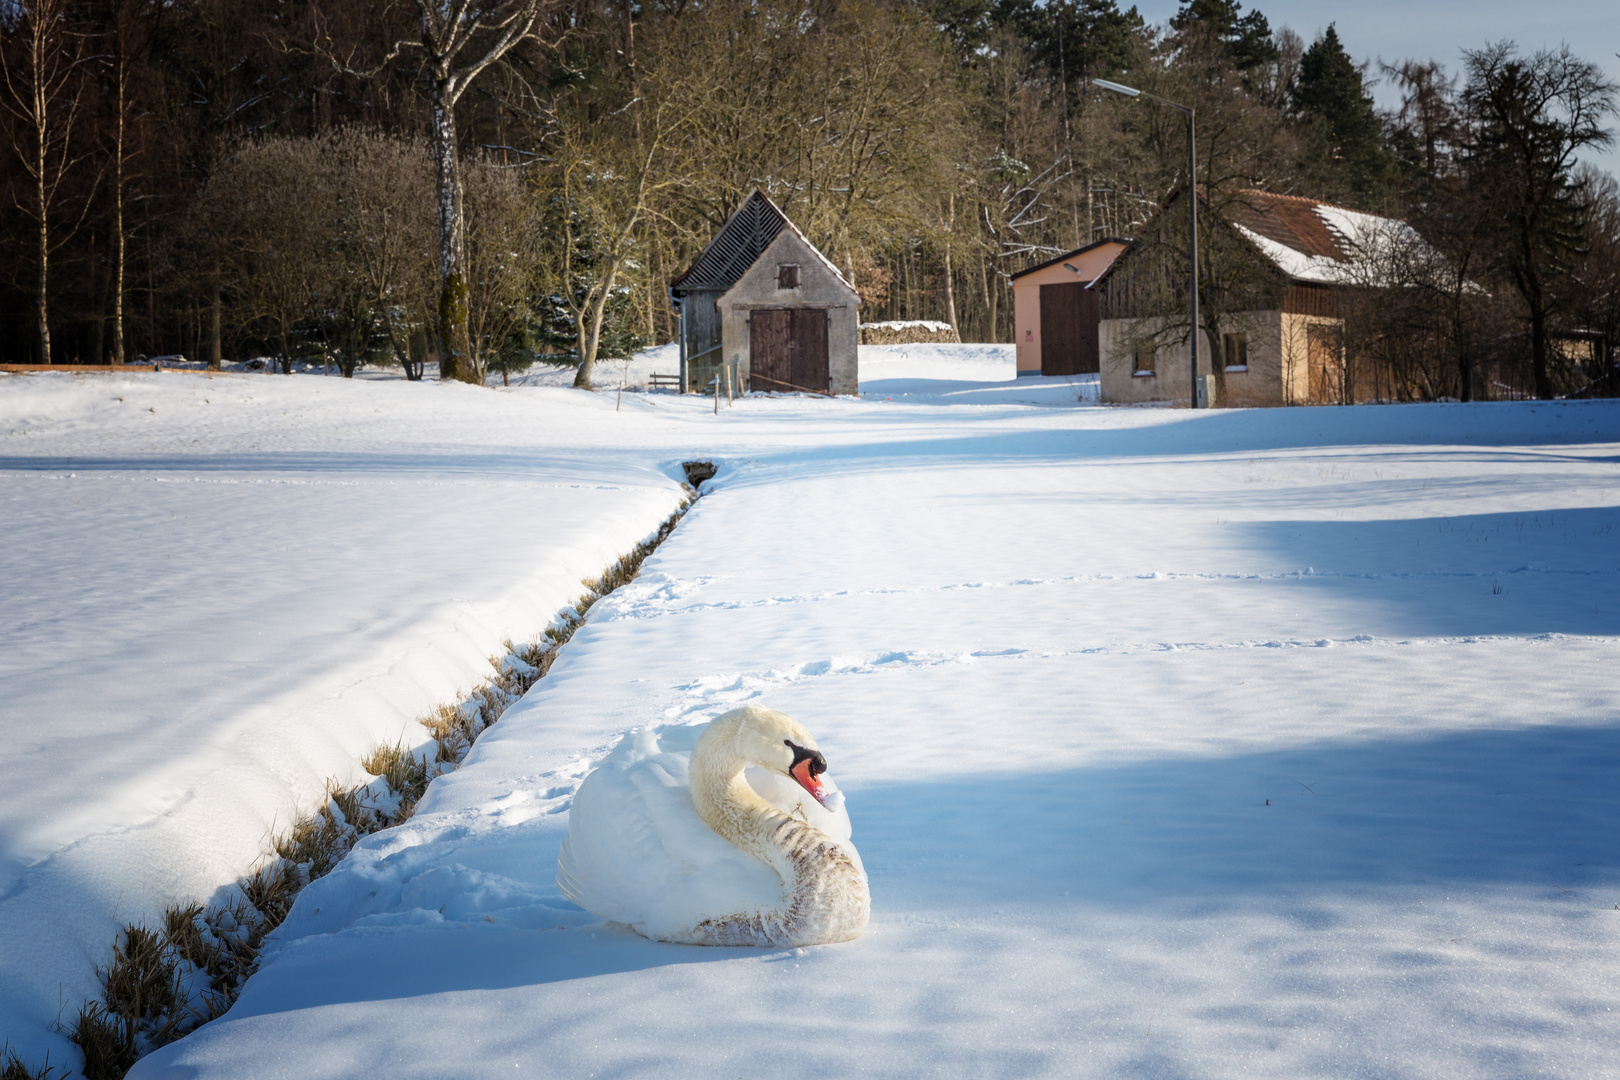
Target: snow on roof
<point x="1317" y="242"/>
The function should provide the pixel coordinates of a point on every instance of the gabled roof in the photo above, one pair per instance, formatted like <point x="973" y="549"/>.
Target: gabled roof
<point x="1069" y="255"/>
<point x="1316" y="241"/>
<point x="735" y="247"/>
<point x="1312" y="241"/>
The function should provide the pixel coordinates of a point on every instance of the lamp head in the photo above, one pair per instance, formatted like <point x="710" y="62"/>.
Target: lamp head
<point x="1117" y="88"/>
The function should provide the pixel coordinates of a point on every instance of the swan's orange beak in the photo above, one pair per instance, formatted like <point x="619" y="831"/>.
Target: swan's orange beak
<point x="802" y="772"/>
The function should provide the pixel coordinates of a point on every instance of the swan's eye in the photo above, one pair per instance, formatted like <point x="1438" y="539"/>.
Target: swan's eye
<point x="817" y="763"/>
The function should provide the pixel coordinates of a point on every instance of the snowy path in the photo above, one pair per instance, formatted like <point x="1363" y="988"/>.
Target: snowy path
<point x="1249" y="743"/>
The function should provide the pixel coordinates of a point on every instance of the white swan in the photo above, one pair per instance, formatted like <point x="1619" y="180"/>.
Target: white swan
<point x="718" y="846"/>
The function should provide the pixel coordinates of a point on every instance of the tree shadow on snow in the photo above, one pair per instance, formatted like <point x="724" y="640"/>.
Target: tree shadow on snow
<point x="1288" y="833"/>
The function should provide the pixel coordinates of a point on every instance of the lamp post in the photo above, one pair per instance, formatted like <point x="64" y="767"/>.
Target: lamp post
<point x="1192" y="216"/>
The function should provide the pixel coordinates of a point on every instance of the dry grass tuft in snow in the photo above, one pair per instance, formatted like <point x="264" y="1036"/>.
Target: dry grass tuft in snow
<point x="13" y="1068"/>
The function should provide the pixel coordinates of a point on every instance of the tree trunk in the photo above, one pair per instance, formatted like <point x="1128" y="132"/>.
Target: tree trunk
<point x="118" y="275"/>
<point x="1535" y="298"/>
<point x="456" y="360"/>
<point x="98" y="306"/>
<point x="1459" y="337"/>
<point x="588" y="332"/>
<point x="214" y="343"/>
<point x="41" y="306"/>
<point x="118" y="209"/>
<point x="995" y="303"/>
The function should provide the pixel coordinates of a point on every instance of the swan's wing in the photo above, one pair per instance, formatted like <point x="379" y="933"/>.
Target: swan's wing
<point x="638" y="853"/>
<point x="612" y="857"/>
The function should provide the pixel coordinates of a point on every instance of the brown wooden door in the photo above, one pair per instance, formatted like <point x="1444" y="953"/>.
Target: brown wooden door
<point x="1324" y="348"/>
<point x="787" y="350"/>
<point x="809" y="349"/>
<point x="770" y="365"/>
<point x="1068" y="330"/>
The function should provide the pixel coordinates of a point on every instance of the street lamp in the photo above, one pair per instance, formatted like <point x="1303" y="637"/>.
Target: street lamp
<point x="1192" y="214"/>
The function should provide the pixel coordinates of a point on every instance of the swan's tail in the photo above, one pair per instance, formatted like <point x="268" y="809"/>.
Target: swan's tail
<point x="568" y="877"/>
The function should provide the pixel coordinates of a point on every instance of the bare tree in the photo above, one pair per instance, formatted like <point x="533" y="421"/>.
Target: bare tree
<point x="378" y="282"/>
<point x="45" y="91"/>
<point x="609" y="175"/>
<point x="123" y="139"/>
<point x="503" y="256"/>
<point x="847" y="115"/>
<point x="264" y="209"/>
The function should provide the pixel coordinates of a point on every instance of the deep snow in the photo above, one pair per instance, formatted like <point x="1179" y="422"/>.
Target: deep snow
<point x="1273" y="742"/>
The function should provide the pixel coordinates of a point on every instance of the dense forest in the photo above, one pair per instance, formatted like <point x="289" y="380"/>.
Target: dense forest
<point x="451" y="187"/>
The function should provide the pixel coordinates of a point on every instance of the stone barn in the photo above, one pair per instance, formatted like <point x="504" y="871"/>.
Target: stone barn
<point x="1056" y="317"/>
<point x="761" y="305"/>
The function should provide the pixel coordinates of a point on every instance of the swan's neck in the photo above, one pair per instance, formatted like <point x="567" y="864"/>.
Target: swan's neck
<point x="824" y="893"/>
<point x="731" y="807"/>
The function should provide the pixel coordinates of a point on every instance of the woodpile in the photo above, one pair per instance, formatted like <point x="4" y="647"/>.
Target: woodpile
<point x="908" y="332"/>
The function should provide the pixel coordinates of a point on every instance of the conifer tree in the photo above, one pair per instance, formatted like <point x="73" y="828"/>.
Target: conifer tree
<point x="1330" y="93"/>
<point x="1246" y="37"/>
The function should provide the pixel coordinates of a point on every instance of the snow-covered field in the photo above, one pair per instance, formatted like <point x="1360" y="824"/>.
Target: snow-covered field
<point x="1277" y="743"/>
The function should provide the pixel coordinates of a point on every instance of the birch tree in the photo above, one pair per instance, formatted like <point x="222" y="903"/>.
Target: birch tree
<point x="44" y="89"/>
<point x="459" y="40"/>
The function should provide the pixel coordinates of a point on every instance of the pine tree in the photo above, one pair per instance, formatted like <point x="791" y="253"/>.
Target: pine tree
<point x="1246" y="37"/>
<point x="1330" y="93"/>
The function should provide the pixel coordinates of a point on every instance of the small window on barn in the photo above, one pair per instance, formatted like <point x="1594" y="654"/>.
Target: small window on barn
<point x="787" y="275"/>
<point x="1145" y="360"/>
<point x="1236" y="349"/>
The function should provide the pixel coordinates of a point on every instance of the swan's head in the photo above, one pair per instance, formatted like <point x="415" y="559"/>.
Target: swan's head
<point x="772" y="740"/>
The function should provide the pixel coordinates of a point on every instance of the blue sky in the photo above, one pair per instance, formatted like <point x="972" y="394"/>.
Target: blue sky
<point x="1394" y="30"/>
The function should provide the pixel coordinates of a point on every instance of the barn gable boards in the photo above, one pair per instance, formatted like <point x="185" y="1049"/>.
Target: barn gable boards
<point x="793" y="293"/>
<point x="745" y="235"/>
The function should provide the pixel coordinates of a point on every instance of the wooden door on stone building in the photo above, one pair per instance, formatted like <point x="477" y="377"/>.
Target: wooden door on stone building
<point x="787" y="350"/>
<point x="1324" y="346"/>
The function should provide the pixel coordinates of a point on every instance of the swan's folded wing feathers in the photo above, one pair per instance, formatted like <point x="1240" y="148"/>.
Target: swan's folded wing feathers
<point x="612" y="861"/>
<point x="638" y="853"/>
<point x="702" y="874"/>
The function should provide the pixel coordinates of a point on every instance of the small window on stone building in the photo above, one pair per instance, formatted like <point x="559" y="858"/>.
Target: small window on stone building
<point x="787" y="275"/>
<point x="1145" y="360"/>
<point x="1236" y="349"/>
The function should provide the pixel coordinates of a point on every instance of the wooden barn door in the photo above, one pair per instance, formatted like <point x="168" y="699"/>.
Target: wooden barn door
<point x="1068" y="330"/>
<point x="788" y="350"/>
<point x="1324" y="347"/>
<point x="770" y="366"/>
<point x="809" y="348"/>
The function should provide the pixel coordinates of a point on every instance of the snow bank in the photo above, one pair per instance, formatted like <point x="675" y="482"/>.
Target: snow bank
<point x="964" y="374"/>
<point x="223" y="591"/>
